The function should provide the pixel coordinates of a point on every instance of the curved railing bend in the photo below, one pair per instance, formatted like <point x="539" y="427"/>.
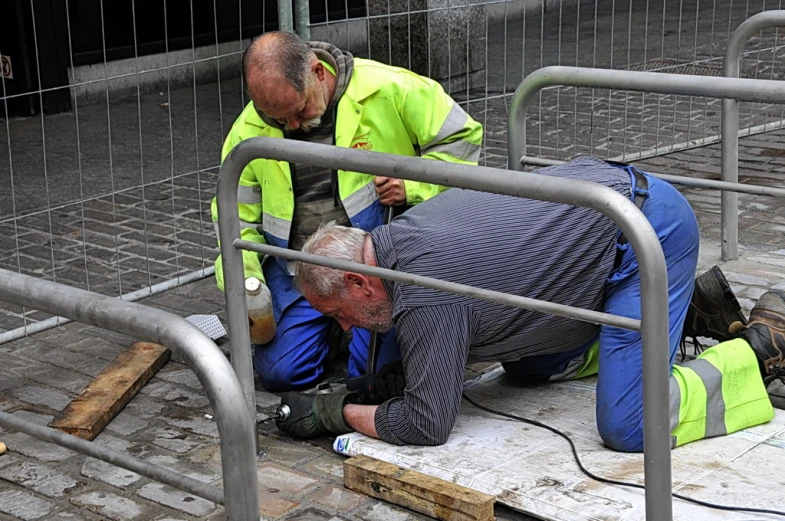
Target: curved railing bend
<point x="240" y="495"/>
<point x="730" y="89"/>
<point x="731" y="68"/>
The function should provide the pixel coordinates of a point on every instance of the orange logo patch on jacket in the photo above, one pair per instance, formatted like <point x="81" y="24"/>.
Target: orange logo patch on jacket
<point x="362" y="142"/>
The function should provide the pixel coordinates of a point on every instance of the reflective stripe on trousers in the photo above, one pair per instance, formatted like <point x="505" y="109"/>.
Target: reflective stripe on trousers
<point x="719" y="392"/>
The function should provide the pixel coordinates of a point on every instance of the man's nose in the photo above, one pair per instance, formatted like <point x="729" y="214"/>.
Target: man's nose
<point x="346" y="326"/>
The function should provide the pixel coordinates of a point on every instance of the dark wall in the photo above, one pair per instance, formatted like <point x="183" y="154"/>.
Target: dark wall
<point x="60" y="33"/>
<point x="159" y="22"/>
<point x="36" y="38"/>
<point x="123" y="28"/>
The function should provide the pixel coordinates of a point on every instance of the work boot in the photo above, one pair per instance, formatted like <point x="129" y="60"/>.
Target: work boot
<point x="712" y="310"/>
<point x="765" y="333"/>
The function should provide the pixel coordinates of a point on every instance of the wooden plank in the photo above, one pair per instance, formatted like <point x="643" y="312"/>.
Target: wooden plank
<point x="417" y="491"/>
<point x="110" y="391"/>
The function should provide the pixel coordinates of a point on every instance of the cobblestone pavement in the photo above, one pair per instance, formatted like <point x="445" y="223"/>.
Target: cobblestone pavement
<point x="164" y="424"/>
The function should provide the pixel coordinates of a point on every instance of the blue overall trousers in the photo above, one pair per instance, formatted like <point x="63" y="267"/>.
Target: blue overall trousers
<point x="620" y="379"/>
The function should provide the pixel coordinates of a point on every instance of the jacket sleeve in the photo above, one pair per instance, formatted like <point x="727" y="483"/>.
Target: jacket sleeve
<point x="249" y="197"/>
<point x="439" y="127"/>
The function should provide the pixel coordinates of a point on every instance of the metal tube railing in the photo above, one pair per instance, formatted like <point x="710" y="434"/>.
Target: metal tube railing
<point x="586" y="315"/>
<point x="634" y="225"/>
<point x="114" y="457"/>
<point x="686" y="84"/>
<point x="681" y="180"/>
<point x="235" y="426"/>
<point x="155" y="289"/>
<point x="731" y="66"/>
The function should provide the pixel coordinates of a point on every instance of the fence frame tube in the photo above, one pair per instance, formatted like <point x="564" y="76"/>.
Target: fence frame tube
<point x="681" y="180"/>
<point x="285" y="16"/>
<point x="634" y="225"/>
<point x="731" y="68"/>
<point x="235" y="426"/>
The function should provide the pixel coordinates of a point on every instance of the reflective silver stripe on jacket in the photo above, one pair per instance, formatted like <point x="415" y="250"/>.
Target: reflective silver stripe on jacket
<point x="249" y="194"/>
<point x="243" y="225"/>
<point x="277" y="227"/>
<point x="360" y="200"/>
<point x="460" y="149"/>
<point x="453" y="124"/>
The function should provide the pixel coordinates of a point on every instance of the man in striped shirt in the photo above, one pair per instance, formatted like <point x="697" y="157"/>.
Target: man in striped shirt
<point x="560" y="253"/>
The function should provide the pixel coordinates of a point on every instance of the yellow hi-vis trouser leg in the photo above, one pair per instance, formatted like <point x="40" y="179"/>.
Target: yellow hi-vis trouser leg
<point x="719" y="392"/>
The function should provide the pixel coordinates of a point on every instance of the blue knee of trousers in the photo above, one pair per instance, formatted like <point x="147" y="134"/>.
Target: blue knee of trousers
<point x="297" y="355"/>
<point x="621" y="436"/>
<point x="620" y="384"/>
<point x="285" y="375"/>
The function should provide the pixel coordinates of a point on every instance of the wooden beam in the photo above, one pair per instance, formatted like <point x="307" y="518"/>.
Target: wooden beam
<point x="414" y="490"/>
<point x="110" y="391"/>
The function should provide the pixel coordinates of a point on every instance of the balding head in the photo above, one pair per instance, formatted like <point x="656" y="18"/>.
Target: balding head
<point x="277" y="56"/>
<point x="286" y="81"/>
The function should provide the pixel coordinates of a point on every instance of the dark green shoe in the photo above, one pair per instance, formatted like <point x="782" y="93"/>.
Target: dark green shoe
<point x="765" y="333"/>
<point x="713" y="309"/>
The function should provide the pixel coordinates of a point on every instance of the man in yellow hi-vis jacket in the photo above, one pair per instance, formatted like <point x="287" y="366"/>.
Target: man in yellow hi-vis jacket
<point x="313" y="91"/>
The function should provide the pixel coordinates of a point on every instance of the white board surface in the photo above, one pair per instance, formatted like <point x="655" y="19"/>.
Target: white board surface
<point x="532" y="470"/>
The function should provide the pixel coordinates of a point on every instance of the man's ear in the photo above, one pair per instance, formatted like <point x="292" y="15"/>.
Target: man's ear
<point x="317" y="68"/>
<point x="357" y="282"/>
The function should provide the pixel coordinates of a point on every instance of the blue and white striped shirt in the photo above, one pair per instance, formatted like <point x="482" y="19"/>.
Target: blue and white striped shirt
<point x="537" y="249"/>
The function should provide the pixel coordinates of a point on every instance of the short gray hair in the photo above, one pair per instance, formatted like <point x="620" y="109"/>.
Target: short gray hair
<point x="283" y="52"/>
<point x="334" y="241"/>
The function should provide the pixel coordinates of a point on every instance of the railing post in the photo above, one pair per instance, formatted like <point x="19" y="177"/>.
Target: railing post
<point x="731" y="68"/>
<point x="234" y="280"/>
<point x="302" y="19"/>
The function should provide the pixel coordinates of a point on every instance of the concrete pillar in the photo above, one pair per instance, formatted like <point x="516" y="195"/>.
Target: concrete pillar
<point x="442" y="39"/>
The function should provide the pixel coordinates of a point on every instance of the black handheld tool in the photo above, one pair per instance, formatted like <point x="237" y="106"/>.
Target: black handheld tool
<point x="364" y="384"/>
<point x="282" y="412"/>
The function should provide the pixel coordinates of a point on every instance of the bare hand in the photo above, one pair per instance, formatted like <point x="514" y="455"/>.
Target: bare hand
<point x="392" y="192"/>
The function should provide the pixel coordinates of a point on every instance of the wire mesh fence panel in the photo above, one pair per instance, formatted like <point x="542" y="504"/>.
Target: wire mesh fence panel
<point x="112" y="191"/>
<point x="114" y="113"/>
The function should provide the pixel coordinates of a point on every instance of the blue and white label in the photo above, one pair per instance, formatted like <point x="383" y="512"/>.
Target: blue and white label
<point x="341" y="444"/>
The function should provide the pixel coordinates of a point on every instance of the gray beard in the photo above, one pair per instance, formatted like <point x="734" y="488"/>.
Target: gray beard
<point x="307" y="125"/>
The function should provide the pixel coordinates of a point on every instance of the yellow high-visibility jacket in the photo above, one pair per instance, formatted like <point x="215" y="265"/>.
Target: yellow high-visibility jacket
<point x="384" y="109"/>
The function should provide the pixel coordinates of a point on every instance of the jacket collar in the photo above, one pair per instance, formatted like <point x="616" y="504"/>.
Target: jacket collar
<point x="359" y="90"/>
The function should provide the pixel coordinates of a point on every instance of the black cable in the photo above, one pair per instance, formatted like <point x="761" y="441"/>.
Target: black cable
<point x="613" y="481"/>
